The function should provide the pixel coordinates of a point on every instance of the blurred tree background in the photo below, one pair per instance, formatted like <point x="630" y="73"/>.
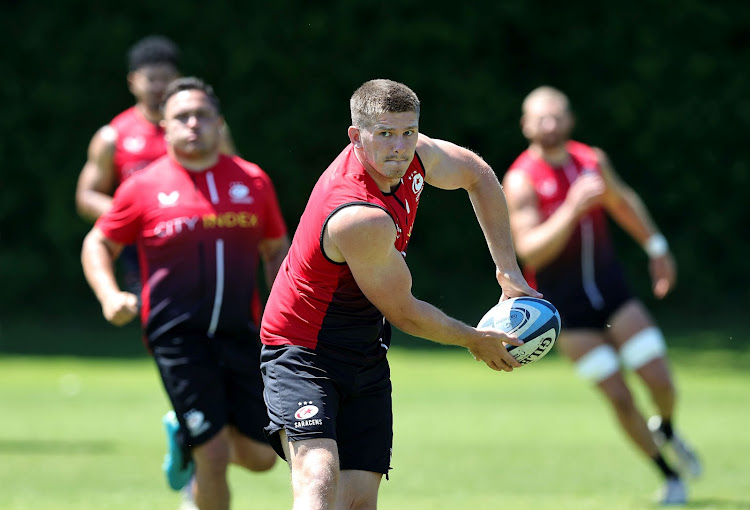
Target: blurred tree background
<point x="662" y="87"/>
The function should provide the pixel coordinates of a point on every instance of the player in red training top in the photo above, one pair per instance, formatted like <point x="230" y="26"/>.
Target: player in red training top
<point x="560" y="193"/>
<point x="201" y="222"/>
<point x="326" y="327"/>
<point x="132" y="140"/>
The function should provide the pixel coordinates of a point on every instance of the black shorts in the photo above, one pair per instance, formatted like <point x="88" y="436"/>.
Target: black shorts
<point x="212" y="383"/>
<point x="312" y="396"/>
<point x="580" y="309"/>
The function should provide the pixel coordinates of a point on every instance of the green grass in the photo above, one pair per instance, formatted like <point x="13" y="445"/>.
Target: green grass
<point x="85" y="433"/>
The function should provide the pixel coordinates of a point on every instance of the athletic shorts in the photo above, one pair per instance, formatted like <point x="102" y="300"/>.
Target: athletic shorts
<point x="581" y="310"/>
<point x="312" y="396"/>
<point x="212" y="383"/>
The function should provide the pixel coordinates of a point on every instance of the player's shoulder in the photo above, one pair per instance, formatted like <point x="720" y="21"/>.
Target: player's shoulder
<point x="123" y="118"/>
<point x="250" y="168"/>
<point x="585" y="151"/>
<point x="368" y="223"/>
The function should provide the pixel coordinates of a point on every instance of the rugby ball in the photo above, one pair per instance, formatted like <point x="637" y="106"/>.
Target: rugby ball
<point x="533" y="320"/>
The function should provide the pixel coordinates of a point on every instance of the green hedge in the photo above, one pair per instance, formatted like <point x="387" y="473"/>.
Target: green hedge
<point x="663" y="91"/>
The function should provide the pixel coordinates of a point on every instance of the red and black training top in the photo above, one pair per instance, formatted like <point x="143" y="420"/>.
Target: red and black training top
<point x="315" y="301"/>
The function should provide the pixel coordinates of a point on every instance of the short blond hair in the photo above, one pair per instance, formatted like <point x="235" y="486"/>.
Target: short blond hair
<point x="376" y="97"/>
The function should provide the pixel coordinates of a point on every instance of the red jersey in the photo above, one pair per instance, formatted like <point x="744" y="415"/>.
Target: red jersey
<point x="139" y="142"/>
<point x="589" y="255"/>
<point x="315" y="301"/>
<point x="197" y="235"/>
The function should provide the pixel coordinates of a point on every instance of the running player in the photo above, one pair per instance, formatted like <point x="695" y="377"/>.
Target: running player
<point x="132" y="140"/>
<point x="326" y="328"/>
<point x="201" y="222"/>
<point x="559" y="194"/>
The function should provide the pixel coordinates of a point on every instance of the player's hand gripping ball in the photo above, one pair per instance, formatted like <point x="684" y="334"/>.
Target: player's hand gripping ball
<point x="533" y="320"/>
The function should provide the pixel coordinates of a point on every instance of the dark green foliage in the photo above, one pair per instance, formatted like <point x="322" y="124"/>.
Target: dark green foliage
<point x="663" y="90"/>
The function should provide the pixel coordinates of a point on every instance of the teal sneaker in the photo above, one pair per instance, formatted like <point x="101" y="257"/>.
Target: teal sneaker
<point x="177" y="471"/>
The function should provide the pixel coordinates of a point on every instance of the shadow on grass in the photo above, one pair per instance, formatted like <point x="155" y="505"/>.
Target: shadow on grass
<point x="55" y="447"/>
<point x="719" y="503"/>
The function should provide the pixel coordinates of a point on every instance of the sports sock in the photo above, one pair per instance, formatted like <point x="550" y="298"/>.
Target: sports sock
<point x="666" y="428"/>
<point x="667" y="471"/>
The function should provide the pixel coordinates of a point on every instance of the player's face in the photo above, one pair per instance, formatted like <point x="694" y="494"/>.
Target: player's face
<point x="192" y="126"/>
<point x="388" y="146"/>
<point x="149" y="82"/>
<point x="547" y="121"/>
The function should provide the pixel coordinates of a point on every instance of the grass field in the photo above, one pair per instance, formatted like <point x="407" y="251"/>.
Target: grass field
<point x="84" y="433"/>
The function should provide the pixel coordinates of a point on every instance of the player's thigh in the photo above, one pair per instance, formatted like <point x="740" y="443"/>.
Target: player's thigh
<point x="250" y="453"/>
<point x="576" y="343"/>
<point x="358" y="489"/>
<point x="630" y="319"/>
<point x="365" y="422"/>
<point x="192" y="377"/>
<point x="311" y="461"/>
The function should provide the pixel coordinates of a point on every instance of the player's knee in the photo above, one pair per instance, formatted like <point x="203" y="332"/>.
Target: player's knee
<point x="598" y="364"/>
<point x="260" y="459"/>
<point x="213" y="456"/>
<point x="642" y="348"/>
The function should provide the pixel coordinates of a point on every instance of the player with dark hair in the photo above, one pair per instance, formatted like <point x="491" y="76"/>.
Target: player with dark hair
<point x="131" y="140"/>
<point x="560" y="193"/>
<point x="201" y="221"/>
<point x="327" y="325"/>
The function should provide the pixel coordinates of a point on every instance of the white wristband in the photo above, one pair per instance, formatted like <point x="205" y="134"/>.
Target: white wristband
<point x="656" y="246"/>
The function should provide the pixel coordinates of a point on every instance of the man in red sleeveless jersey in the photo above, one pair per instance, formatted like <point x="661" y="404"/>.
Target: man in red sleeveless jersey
<point x="132" y="140"/>
<point x="326" y="327"/>
<point x="201" y="222"/>
<point x="560" y="193"/>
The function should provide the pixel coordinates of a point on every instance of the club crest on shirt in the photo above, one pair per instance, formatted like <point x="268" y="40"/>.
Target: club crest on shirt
<point x="239" y="193"/>
<point x="417" y="183"/>
<point x="168" y="200"/>
<point x="548" y="187"/>
<point x="134" y="143"/>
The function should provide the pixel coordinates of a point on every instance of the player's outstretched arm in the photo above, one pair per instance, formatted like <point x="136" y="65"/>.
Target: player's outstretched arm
<point x="97" y="179"/>
<point x="97" y="257"/>
<point x="363" y="237"/>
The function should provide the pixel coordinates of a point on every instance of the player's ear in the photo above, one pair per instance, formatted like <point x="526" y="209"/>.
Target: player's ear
<point x="355" y="137"/>
<point x="131" y="80"/>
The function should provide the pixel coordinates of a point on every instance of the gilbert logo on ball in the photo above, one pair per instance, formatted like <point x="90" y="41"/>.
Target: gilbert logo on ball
<point x="533" y="320"/>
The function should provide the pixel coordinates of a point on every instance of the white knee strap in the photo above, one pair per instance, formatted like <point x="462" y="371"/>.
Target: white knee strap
<point x="646" y="345"/>
<point x="598" y="364"/>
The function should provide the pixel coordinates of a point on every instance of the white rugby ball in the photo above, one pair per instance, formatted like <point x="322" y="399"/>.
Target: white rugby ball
<point x="533" y="320"/>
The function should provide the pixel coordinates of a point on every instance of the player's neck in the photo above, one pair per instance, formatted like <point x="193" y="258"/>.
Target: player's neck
<point x="196" y="165"/>
<point x="553" y="155"/>
<point x="150" y="115"/>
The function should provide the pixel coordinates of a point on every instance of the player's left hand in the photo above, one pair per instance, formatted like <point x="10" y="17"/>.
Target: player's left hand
<point x="663" y="274"/>
<point x="514" y="284"/>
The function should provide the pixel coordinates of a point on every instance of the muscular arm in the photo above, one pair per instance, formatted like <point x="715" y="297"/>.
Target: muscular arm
<point x="97" y="179"/>
<point x="537" y="242"/>
<point x="364" y="237"/>
<point x="449" y="166"/>
<point x="97" y="257"/>
<point x="272" y="252"/>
